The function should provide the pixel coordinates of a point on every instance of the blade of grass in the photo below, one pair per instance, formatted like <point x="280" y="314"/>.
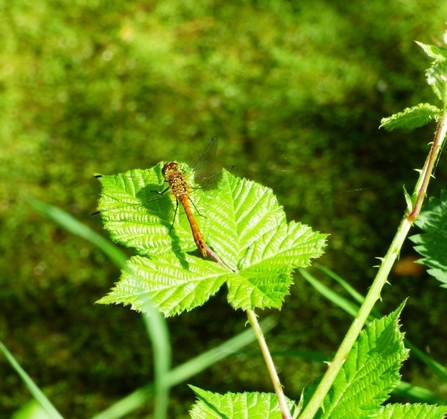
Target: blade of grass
<point x="421" y="395"/>
<point x="156" y="325"/>
<point x="159" y="335"/>
<point x="79" y="229"/>
<point x="331" y="295"/>
<point x="348" y="287"/>
<point x="32" y="387"/>
<point x="183" y="372"/>
<point x="352" y="309"/>
<point x="436" y="367"/>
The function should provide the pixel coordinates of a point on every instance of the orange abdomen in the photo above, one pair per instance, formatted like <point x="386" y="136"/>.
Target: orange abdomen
<point x="198" y="236"/>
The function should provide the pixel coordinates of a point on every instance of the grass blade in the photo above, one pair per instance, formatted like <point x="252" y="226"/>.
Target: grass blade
<point x="32" y="387"/>
<point x="79" y="229"/>
<point x="183" y="372"/>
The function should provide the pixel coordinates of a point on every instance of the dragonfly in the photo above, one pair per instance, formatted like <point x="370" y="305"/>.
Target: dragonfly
<point x="181" y="189"/>
<point x="137" y="189"/>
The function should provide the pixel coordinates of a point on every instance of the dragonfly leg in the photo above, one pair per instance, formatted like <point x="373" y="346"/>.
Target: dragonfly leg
<point x="194" y="205"/>
<point x="175" y="214"/>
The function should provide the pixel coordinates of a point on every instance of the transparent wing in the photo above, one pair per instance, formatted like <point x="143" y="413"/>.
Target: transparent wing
<point x="203" y="166"/>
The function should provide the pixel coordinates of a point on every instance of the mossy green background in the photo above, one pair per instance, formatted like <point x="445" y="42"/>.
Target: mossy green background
<point x="293" y="90"/>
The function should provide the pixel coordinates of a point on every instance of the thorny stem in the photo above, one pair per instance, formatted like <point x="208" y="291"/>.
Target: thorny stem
<point x="253" y="320"/>
<point x="427" y="170"/>
<point x="381" y="277"/>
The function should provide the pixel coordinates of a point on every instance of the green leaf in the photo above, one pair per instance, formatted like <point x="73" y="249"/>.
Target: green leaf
<point x="437" y="79"/>
<point x="411" y="118"/>
<point x="172" y="284"/>
<point x="236" y="405"/>
<point x="409" y="200"/>
<point x="242" y="222"/>
<point x="411" y="411"/>
<point x="243" y="213"/>
<point x="31" y="410"/>
<point x="432" y="243"/>
<point x="267" y="266"/>
<point x="369" y="374"/>
<point x="437" y="53"/>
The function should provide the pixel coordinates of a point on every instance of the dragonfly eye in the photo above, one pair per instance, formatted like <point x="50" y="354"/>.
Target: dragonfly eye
<point x="169" y="167"/>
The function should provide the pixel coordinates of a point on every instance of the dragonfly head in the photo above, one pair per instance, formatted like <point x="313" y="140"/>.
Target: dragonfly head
<point x="170" y="168"/>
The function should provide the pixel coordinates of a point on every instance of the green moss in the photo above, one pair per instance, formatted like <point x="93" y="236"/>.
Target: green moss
<point x="293" y="91"/>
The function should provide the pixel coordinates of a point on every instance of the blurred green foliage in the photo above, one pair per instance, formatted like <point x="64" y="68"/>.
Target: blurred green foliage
<point x="293" y="90"/>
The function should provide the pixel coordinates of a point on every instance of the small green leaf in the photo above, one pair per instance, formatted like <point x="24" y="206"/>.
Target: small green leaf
<point x="437" y="79"/>
<point x="432" y="243"/>
<point x="411" y="118"/>
<point x="411" y="411"/>
<point x="236" y="405"/>
<point x="437" y="53"/>
<point x="369" y="374"/>
<point x="408" y="200"/>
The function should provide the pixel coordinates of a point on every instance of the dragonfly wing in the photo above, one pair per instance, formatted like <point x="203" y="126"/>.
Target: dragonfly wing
<point x="202" y="165"/>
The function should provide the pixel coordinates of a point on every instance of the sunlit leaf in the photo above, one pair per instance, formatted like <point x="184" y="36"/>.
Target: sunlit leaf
<point x="437" y="79"/>
<point x="411" y="411"/>
<point x="369" y="374"/>
<point x="173" y="285"/>
<point x="432" y="243"/>
<point x="242" y="222"/>
<point x="433" y="51"/>
<point x="411" y="118"/>
<point x="236" y="405"/>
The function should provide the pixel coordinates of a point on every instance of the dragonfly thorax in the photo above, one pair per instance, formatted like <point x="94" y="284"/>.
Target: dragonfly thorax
<point x="176" y="178"/>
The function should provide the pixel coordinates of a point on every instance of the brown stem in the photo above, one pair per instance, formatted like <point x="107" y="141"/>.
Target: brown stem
<point x="428" y="169"/>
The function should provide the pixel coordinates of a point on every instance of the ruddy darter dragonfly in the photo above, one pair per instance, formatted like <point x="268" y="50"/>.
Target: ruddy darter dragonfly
<point x="182" y="191"/>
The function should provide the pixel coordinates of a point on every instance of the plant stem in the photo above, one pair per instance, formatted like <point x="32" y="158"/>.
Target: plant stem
<point x="381" y="277"/>
<point x="429" y="165"/>
<point x="252" y="318"/>
<point x="359" y="321"/>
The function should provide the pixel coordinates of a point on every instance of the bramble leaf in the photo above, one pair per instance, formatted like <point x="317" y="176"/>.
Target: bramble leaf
<point x="422" y="114"/>
<point x="266" y="268"/>
<point x="173" y="285"/>
<point x="236" y="405"/>
<point x="432" y="243"/>
<point x="437" y="53"/>
<point x="437" y="79"/>
<point x="241" y="221"/>
<point x="411" y="411"/>
<point x="411" y="118"/>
